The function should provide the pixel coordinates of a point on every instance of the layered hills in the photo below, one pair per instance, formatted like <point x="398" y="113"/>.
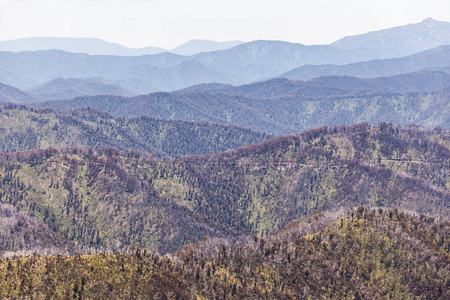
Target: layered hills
<point x="195" y="46"/>
<point x="108" y="200"/>
<point x="46" y="65"/>
<point x="11" y="94"/>
<point x="355" y="254"/>
<point x="281" y="106"/>
<point x="242" y="64"/>
<point x="430" y="59"/>
<point x="67" y="88"/>
<point x="95" y="46"/>
<point x="25" y="128"/>
<point x="401" y="40"/>
<point x="91" y="46"/>
<point x="332" y="86"/>
<point x="187" y="194"/>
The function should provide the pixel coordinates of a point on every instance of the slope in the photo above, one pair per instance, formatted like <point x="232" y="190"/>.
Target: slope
<point x="109" y="201"/>
<point x="281" y="106"/>
<point x="195" y="106"/>
<point x="355" y="254"/>
<point x="331" y="86"/>
<point x="263" y="59"/>
<point x="22" y="234"/>
<point x="67" y="88"/>
<point x="90" y="46"/>
<point x="11" y="94"/>
<point x="401" y="40"/>
<point x="186" y="74"/>
<point x="25" y="128"/>
<point x="434" y="58"/>
<point x="193" y="47"/>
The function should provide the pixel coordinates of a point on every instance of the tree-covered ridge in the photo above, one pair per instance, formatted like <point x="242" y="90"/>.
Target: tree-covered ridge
<point x="355" y="254"/>
<point x="281" y="107"/>
<point x="111" y="200"/>
<point x="21" y="233"/>
<point x="26" y="128"/>
<point x="105" y="201"/>
<point x="276" y="181"/>
<point x="369" y="254"/>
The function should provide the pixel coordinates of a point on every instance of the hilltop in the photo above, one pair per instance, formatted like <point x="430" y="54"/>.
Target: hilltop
<point x="109" y="200"/>
<point x="281" y="106"/>
<point x="359" y="253"/>
<point x="26" y="128"/>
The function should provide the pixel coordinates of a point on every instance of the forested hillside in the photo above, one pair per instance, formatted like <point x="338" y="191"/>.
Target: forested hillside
<point x="26" y="128"/>
<point x="355" y="254"/>
<point x="261" y="169"/>
<point x="331" y="86"/>
<point x="280" y="106"/>
<point x="111" y="200"/>
<point x="11" y="94"/>
<point x="430" y="59"/>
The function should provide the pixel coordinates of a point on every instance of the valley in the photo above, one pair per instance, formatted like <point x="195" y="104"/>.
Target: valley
<point x="259" y="169"/>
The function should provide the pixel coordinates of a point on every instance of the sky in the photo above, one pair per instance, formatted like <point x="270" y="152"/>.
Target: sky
<point x="169" y="23"/>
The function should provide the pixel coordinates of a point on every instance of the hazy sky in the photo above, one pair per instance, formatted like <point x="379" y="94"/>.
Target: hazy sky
<point x="168" y="23"/>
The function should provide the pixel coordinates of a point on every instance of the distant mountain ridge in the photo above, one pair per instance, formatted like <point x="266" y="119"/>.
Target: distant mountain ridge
<point x="392" y="42"/>
<point x="264" y="59"/>
<point x="168" y="72"/>
<point x="235" y="62"/>
<point x="193" y="47"/>
<point x="95" y="46"/>
<point x="421" y="81"/>
<point x="92" y="46"/>
<point x="281" y="106"/>
<point x="11" y="94"/>
<point x="243" y="63"/>
<point x="66" y="88"/>
<point x="435" y="59"/>
<point x="401" y="40"/>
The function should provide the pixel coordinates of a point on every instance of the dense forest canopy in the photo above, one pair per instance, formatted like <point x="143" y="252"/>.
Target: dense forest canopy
<point x="211" y="175"/>
<point x="110" y="199"/>
<point x="346" y="254"/>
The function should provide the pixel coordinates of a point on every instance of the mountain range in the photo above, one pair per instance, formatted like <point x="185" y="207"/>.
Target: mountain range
<point x="401" y="40"/>
<point x="67" y="88"/>
<point x="242" y="64"/>
<point x="282" y="106"/>
<point x="193" y="47"/>
<point x="259" y="170"/>
<point x="332" y="86"/>
<point x="391" y="42"/>
<point x="108" y="200"/>
<point x="94" y="46"/>
<point x="437" y="58"/>
<point x="12" y="94"/>
<point x="26" y="128"/>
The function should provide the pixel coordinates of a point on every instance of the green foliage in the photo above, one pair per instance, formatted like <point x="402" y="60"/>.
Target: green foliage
<point x="362" y="254"/>
<point x="111" y="200"/>
<point x="280" y="109"/>
<point x="113" y="276"/>
<point x="25" y="128"/>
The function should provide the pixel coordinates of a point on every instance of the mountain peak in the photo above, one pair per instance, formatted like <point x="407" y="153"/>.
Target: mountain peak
<point x="196" y="46"/>
<point x="402" y="40"/>
<point x="430" y="22"/>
